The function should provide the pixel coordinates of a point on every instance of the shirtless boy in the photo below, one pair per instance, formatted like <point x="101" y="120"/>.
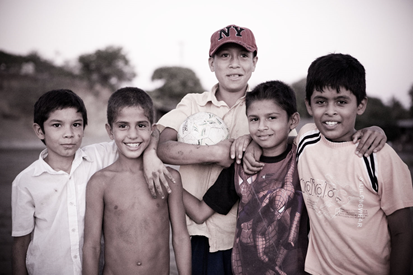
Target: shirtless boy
<point x="135" y="226"/>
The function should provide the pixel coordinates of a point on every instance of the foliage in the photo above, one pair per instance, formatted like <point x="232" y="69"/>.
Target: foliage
<point x="411" y="101"/>
<point x="109" y="67"/>
<point x="177" y="82"/>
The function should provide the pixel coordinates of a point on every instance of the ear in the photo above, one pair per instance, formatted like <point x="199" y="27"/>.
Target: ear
<point x="294" y="120"/>
<point x="362" y="106"/>
<point x="109" y="131"/>
<point x="254" y="62"/>
<point x="308" y="106"/>
<point x="38" y="131"/>
<point x="211" y="64"/>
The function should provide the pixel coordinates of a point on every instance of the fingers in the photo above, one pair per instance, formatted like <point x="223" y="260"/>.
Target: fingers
<point x="252" y="169"/>
<point x="370" y="143"/>
<point x="251" y="166"/>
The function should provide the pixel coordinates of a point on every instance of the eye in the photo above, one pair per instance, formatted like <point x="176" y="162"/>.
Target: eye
<point x="253" y="119"/>
<point x="77" y="124"/>
<point x="224" y="55"/>
<point x="319" y="101"/>
<point x="342" y="102"/>
<point x="56" y="125"/>
<point x="122" y="126"/>
<point x="142" y="125"/>
<point x="272" y="117"/>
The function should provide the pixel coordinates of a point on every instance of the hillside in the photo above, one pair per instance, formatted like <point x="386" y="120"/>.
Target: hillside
<point x="23" y="79"/>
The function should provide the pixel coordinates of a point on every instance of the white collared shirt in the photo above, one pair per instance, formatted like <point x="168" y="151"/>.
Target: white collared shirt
<point x="51" y="204"/>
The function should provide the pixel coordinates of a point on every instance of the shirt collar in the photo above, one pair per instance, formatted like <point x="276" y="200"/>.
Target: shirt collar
<point x="44" y="167"/>
<point x="211" y="97"/>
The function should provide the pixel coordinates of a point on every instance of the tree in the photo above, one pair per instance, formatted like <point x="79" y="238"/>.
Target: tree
<point x="177" y="82"/>
<point x="411" y="101"/>
<point x="109" y="67"/>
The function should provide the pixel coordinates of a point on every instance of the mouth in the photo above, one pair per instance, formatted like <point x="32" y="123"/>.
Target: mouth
<point x="68" y="145"/>
<point x="234" y="76"/>
<point x="133" y="145"/>
<point x="264" y="137"/>
<point x="330" y="123"/>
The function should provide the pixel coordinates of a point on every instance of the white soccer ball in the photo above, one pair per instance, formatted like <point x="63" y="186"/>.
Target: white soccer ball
<point x="202" y="128"/>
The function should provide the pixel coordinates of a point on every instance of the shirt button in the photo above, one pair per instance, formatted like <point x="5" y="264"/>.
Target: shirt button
<point x="75" y="256"/>
<point x="73" y="230"/>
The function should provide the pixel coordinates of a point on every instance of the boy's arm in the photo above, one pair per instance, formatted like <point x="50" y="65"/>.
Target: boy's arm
<point x="154" y="169"/>
<point x="180" y="236"/>
<point x="196" y="209"/>
<point x="93" y="225"/>
<point x="401" y="234"/>
<point x="371" y="140"/>
<point x="173" y="152"/>
<point x="20" y="245"/>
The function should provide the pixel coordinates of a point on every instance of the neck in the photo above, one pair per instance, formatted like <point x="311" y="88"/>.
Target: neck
<point x="60" y="163"/>
<point x="230" y="98"/>
<point x="130" y="164"/>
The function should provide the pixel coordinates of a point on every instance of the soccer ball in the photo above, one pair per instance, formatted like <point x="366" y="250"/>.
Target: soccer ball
<point x="202" y="128"/>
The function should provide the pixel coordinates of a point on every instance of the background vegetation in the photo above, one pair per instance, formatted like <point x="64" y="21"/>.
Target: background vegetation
<point x="94" y="76"/>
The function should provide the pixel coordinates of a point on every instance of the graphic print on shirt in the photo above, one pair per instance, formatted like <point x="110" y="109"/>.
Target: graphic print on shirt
<point x="268" y="221"/>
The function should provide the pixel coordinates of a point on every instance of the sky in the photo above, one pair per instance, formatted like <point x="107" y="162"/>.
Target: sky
<point x="156" y="33"/>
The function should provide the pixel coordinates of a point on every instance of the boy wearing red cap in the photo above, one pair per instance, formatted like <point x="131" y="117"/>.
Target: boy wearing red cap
<point x="233" y="57"/>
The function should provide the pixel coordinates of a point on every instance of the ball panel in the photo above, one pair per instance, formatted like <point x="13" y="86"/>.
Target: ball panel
<point x="203" y="128"/>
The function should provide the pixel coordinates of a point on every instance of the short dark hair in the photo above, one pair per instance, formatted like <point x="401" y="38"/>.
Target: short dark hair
<point x="336" y="70"/>
<point x="57" y="100"/>
<point x="279" y="92"/>
<point x="128" y="97"/>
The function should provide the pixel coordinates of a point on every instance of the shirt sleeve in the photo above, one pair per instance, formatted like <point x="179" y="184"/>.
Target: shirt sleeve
<point x="222" y="196"/>
<point x="174" y="118"/>
<point x="395" y="182"/>
<point x="23" y="209"/>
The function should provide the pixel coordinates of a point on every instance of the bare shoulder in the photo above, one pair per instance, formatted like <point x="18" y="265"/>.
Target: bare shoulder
<point x="101" y="177"/>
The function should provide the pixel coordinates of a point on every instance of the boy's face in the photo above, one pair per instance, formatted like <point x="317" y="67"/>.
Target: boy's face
<point x="63" y="133"/>
<point x="335" y="112"/>
<point x="269" y="126"/>
<point x="233" y="66"/>
<point x="131" y="131"/>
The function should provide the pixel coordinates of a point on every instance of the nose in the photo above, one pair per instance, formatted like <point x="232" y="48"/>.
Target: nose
<point x="234" y="62"/>
<point x="133" y="133"/>
<point x="68" y="133"/>
<point x="330" y="110"/>
<point x="262" y="125"/>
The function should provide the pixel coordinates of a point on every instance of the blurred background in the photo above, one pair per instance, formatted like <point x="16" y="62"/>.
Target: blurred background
<point x="95" y="47"/>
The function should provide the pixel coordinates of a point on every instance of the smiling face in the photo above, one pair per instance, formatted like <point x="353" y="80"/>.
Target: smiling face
<point x="233" y="66"/>
<point x="335" y="112"/>
<point x="269" y="126"/>
<point x="63" y="133"/>
<point x="131" y="131"/>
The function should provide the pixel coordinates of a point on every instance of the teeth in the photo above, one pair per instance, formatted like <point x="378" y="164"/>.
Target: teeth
<point x="331" y="123"/>
<point x="133" y="144"/>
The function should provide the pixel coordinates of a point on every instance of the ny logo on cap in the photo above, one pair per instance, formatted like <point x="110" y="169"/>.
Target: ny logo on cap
<point x="225" y="32"/>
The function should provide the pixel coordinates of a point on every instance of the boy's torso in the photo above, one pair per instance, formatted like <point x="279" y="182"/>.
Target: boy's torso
<point x="52" y="204"/>
<point x="271" y="226"/>
<point x="136" y="226"/>
<point x="196" y="179"/>
<point x="344" y="198"/>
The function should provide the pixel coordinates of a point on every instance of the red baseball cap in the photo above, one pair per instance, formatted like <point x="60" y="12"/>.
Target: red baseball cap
<point x="233" y="34"/>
